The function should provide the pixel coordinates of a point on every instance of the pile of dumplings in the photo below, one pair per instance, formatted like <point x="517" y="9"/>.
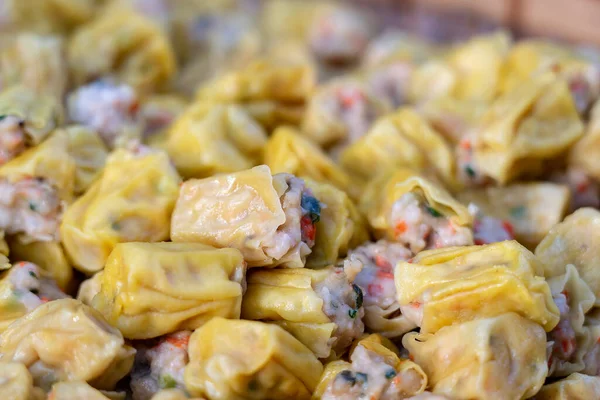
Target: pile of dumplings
<point x="284" y="200"/>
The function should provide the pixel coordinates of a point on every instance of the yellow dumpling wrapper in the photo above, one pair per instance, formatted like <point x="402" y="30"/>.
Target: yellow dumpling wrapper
<point x="381" y="194"/>
<point x="37" y="62"/>
<point x="173" y="394"/>
<point x="243" y="210"/>
<point x="573" y="241"/>
<point x="371" y="356"/>
<point x="65" y="340"/>
<point x="48" y="16"/>
<point x="78" y="390"/>
<point x="50" y="256"/>
<point x="495" y="358"/>
<point x="535" y="121"/>
<point x="40" y="113"/>
<point x="448" y="286"/>
<point x="585" y="153"/>
<point x="575" y="386"/>
<point x="530" y="57"/>
<point x="478" y="64"/>
<point x="401" y="139"/>
<point x="152" y="289"/>
<point x="238" y="360"/>
<point x="131" y="201"/>
<point x="340" y="228"/>
<point x="127" y="46"/>
<point x="49" y="160"/>
<point x="303" y="302"/>
<point x="212" y="138"/>
<point x="17" y="383"/>
<point x="271" y="91"/>
<point x="89" y="152"/>
<point x="288" y="151"/>
<point x="531" y="208"/>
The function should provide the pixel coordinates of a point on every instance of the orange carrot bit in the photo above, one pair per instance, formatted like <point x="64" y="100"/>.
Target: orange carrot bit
<point x="415" y="304"/>
<point x="465" y="144"/>
<point x="582" y="186"/>
<point x="566" y="293"/>
<point x="44" y="299"/>
<point x="509" y="228"/>
<point x="381" y="262"/>
<point x="411" y="357"/>
<point x="385" y="274"/>
<point x="397" y="380"/>
<point x="180" y="342"/>
<point x="400" y="228"/>
<point x="348" y="98"/>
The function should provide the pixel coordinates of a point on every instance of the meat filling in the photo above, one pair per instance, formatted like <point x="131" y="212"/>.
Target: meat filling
<point x="420" y="226"/>
<point x="161" y="366"/>
<point x="371" y="267"/>
<point x="108" y="108"/>
<point x="390" y="82"/>
<point x="585" y="192"/>
<point x="563" y="335"/>
<point x="30" y="206"/>
<point x="487" y="229"/>
<point x="302" y="212"/>
<point x="370" y="377"/>
<point x="342" y="303"/>
<point x="31" y="287"/>
<point x="340" y="37"/>
<point x="12" y="137"/>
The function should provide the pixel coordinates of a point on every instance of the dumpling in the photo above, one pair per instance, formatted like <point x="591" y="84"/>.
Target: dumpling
<point x="534" y="122"/>
<point x="371" y="267"/>
<point x="408" y="208"/>
<point x="65" y="340"/>
<point x="495" y="358"/>
<point x="585" y="153"/>
<point x="530" y="57"/>
<point x="23" y="288"/>
<point x="529" y="210"/>
<point x="442" y="287"/>
<point x="340" y="226"/>
<point x="129" y="47"/>
<point x="288" y="151"/>
<point x="280" y="228"/>
<point x="212" y="138"/>
<point x="37" y="62"/>
<point x="321" y="308"/>
<point x="341" y="112"/>
<point x="570" y="339"/>
<point x="49" y="256"/>
<point x="17" y="383"/>
<point x="401" y="139"/>
<point x="271" y="91"/>
<point x="37" y="185"/>
<point x="237" y="360"/>
<point x="121" y="207"/>
<point x="575" y="386"/>
<point x="375" y="371"/>
<point x="573" y="241"/>
<point x="26" y="119"/>
<point x="151" y="289"/>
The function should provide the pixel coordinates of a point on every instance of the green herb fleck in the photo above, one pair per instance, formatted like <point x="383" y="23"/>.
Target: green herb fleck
<point x="115" y="226"/>
<point x="518" y="212"/>
<point x="433" y="211"/>
<point x="253" y="385"/>
<point x="32" y="274"/>
<point x="352" y="313"/>
<point x="390" y="374"/>
<point x="470" y="171"/>
<point x="167" y="382"/>
<point x="2" y="116"/>
<point x="32" y="206"/>
<point x="359" y="296"/>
